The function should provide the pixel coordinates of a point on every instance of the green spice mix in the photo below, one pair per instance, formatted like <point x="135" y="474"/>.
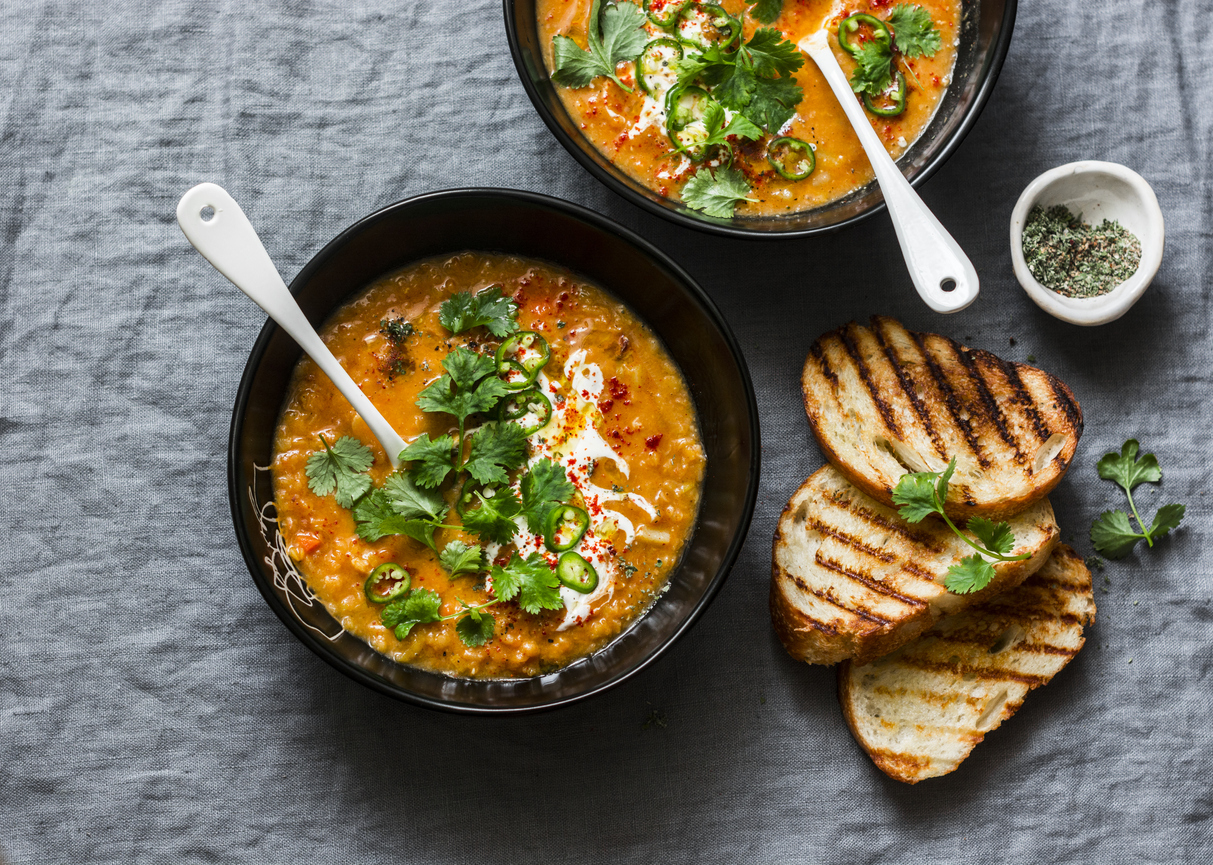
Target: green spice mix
<point x="1072" y="258"/>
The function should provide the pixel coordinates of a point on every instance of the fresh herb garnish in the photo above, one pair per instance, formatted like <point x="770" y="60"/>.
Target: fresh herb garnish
<point x="431" y="461"/>
<point x="459" y="559"/>
<point x="1112" y="533"/>
<point x="417" y="607"/>
<point x="718" y="132"/>
<point x="476" y="628"/>
<point x="543" y="487"/>
<point x="921" y="494"/>
<point x="493" y="519"/>
<point x="497" y="449"/>
<point x="488" y="308"/>
<point x="716" y="194"/>
<point x="914" y="32"/>
<point x="340" y="470"/>
<point x="755" y="80"/>
<point x="530" y="581"/>
<point x="914" y="35"/>
<point x="766" y="11"/>
<point x="615" y="34"/>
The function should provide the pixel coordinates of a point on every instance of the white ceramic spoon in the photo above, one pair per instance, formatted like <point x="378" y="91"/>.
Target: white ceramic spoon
<point x="932" y="256"/>
<point x="214" y="223"/>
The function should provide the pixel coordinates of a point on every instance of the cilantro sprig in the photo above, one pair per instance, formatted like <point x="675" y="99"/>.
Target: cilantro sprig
<point x="914" y="35"/>
<point x="767" y="11"/>
<point x="1112" y="533"/>
<point x="340" y="470"/>
<point x="716" y="194"/>
<point x="615" y="34"/>
<point x="922" y="494"/>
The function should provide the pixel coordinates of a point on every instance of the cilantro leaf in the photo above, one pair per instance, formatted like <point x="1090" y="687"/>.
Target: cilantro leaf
<point x="941" y="486"/>
<point x="710" y="66"/>
<point x="543" y="487"/>
<point x="417" y="607"/>
<point x="374" y="518"/>
<point x="995" y="536"/>
<point x="771" y="54"/>
<point x="1127" y="469"/>
<point x="873" y="68"/>
<point x="774" y="102"/>
<point x="1113" y="536"/>
<point x="466" y="367"/>
<point x="496" y="449"/>
<point x="409" y="500"/>
<point x="972" y="574"/>
<point x="914" y="496"/>
<point x="913" y="31"/>
<point x="461" y="402"/>
<point x="531" y="581"/>
<point x="1167" y="518"/>
<point x="718" y="133"/>
<point x="460" y="558"/>
<point x="736" y="87"/>
<point x="432" y="460"/>
<point x="475" y="629"/>
<point x="341" y="470"/>
<point x="464" y="310"/>
<point x="493" y="520"/>
<point x="614" y="34"/>
<point x="716" y="194"/>
<point x="766" y="11"/>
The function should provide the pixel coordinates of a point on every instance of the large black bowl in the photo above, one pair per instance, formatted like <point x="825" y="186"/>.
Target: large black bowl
<point x="657" y="289"/>
<point x="985" y="34"/>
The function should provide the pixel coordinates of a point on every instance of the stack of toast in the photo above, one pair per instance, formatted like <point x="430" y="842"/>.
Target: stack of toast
<point x="925" y="673"/>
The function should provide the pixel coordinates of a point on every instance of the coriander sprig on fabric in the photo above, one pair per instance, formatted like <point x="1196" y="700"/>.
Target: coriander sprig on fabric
<point x="615" y="34"/>
<point x="1112" y="533"/>
<point x="922" y="494"/>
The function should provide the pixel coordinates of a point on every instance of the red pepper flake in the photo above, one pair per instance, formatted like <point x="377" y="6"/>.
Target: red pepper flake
<point x="652" y="441"/>
<point x="604" y="405"/>
<point x="520" y="295"/>
<point x="619" y="391"/>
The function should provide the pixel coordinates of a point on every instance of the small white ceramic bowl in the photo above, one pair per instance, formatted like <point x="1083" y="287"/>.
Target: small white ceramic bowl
<point x="1097" y="191"/>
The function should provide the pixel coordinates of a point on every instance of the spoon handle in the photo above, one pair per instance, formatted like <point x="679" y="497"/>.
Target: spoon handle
<point x="228" y="241"/>
<point x="933" y="257"/>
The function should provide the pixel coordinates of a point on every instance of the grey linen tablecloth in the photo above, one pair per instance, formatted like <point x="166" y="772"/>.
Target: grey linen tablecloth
<point x="153" y="709"/>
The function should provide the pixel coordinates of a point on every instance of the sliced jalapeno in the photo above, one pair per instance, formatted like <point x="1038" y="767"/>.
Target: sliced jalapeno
<point x="706" y="25"/>
<point x="792" y="158"/>
<point x="520" y="358"/>
<point x="531" y="407"/>
<point x="664" y="13"/>
<point x="657" y="61"/>
<point x="684" y="105"/>
<point x="564" y="528"/>
<point x="576" y="573"/>
<point x="690" y="140"/>
<point x="386" y="583"/>
<point x="850" y="27"/>
<point x="896" y="97"/>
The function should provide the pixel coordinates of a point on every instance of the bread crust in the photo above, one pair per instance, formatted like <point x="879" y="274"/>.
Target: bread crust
<point x="883" y="401"/>
<point x="972" y="688"/>
<point x="836" y="594"/>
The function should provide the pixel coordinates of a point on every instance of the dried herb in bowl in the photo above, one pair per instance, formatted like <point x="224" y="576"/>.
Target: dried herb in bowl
<point x="1074" y="259"/>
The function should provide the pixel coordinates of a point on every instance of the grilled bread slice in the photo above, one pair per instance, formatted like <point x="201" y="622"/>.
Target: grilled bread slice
<point x="921" y="710"/>
<point x="852" y="579"/>
<point x="883" y="401"/>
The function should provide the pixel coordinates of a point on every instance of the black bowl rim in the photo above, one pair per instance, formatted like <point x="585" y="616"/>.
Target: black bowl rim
<point x="612" y="183"/>
<point x="602" y="223"/>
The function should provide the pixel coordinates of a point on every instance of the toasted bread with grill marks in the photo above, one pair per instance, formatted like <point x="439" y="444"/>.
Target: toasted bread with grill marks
<point x="851" y="579"/>
<point x="921" y="710"/>
<point x="883" y="401"/>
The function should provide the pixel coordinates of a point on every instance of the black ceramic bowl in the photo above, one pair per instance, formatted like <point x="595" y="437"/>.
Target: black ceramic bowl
<point x="985" y="34"/>
<point x="657" y="289"/>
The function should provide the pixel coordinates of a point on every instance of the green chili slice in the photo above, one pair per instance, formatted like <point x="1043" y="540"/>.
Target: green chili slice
<point x="792" y="158"/>
<point x="896" y="97"/>
<point x="519" y="406"/>
<point x="576" y="573"/>
<point x="564" y="528"/>
<point x="386" y="583"/>
<point x="684" y="105"/>
<point x="520" y="358"/>
<point x="706" y="25"/>
<point x="657" y="59"/>
<point x="690" y="141"/>
<point x="664" y="13"/>
<point x="850" y="27"/>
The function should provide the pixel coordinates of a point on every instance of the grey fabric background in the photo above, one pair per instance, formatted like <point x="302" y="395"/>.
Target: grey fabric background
<point x="152" y="709"/>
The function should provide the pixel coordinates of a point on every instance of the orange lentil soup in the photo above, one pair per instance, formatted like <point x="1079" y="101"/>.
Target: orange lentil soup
<point x="623" y="427"/>
<point x="629" y="127"/>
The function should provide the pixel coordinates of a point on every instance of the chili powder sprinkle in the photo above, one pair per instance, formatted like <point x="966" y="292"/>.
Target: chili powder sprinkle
<point x="1074" y="259"/>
